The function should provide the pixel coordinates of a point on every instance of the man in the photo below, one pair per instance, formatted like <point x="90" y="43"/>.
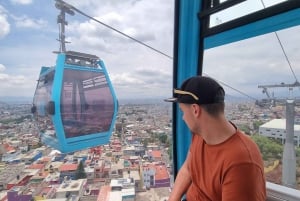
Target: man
<point x="223" y="164"/>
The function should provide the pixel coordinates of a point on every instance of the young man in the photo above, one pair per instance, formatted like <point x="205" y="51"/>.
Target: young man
<point x="223" y="164"/>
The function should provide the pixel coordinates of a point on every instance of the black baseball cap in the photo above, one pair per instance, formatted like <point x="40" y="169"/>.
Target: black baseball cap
<point x="199" y="90"/>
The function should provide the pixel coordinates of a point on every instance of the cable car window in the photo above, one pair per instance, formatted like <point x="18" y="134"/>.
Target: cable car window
<point x="41" y="101"/>
<point x="86" y="103"/>
<point x="241" y="9"/>
<point x="268" y="60"/>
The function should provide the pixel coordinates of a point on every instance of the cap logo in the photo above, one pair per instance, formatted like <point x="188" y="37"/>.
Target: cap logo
<point x="182" y="92"/>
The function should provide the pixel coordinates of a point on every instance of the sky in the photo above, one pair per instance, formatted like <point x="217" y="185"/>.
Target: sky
<point x="29" y="33"/>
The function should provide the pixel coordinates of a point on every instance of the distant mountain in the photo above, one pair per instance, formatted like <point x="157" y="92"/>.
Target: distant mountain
<point x="15" y="100"/>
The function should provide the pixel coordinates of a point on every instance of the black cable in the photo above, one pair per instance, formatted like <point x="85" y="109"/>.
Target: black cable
<point x="116" y="30"/>
<point x="140" y="42"/>
<point x="287" y="59"/>
<point x="223" y="83"/>
<point x="282" y="48"/>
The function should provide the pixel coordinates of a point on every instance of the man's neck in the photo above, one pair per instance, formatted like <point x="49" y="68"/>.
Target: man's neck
<point x="217" y="131"/>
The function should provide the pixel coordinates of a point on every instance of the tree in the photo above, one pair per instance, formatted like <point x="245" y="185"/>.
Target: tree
<point x="145" y="142"/>
<point x="268" y="147"/>
<point x="80" y="172"/>
<point x="245" y="128"/>
<point x="256" y="124"/>
<point x="163" y="138"/>
<point x="170" y="152"/>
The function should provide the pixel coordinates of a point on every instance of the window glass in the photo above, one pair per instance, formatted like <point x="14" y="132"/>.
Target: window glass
<point x="241" y="9"/>
<point x="41" y="100"/>
<point x="87" y="104"/>
<point x="243" y="68"/>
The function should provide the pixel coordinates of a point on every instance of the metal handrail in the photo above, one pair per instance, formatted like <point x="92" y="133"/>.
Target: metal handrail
<point x="277" y="192"/>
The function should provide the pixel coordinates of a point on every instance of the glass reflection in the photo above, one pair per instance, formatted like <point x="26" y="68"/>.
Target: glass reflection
<point x="41" y="100"/>
<point x="86" y="103"/>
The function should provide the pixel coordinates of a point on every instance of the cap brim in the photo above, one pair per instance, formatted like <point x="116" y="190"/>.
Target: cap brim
<point x="172" y="99"/>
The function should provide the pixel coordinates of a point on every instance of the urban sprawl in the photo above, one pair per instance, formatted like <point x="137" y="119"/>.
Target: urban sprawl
<point x="135" y="165"/>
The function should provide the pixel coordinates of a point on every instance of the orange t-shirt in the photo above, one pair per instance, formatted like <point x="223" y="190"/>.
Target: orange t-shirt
<point x="230" y="171"/>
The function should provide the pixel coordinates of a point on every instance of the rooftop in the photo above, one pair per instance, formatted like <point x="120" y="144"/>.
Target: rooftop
<point x="278" y="124"/>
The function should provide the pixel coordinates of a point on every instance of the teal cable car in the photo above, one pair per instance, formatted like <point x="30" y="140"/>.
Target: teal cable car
<point x="74" y="104"/>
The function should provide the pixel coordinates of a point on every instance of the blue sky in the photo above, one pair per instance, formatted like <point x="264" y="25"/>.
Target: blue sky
<point x="29" y="31"/>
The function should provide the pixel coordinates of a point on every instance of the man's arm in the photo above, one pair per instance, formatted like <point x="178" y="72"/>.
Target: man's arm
<point x="182" y="182"/>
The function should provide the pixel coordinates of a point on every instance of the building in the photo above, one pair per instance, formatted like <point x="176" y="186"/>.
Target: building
<point x="44" y="191"/>
<point x="31" y="157"/>
<point x="11" y="156"/>
<point x="276" y="128"/>
<point x="90" y="173"/>
<point x="155" y="155"/>
<point x="156" y="176"/>
<point x="116" y="169"/>
<point x="11" y="173"/>
<point x="35" y="175"/>
<point x="118" y="190"/>
<point x="14" y="195"/>
<point x="53" y="178"/>
<point x="53" y="167"/>
<point x="136" y="176"/>
<point x="67" y="170"/>
<point x="99" y="169"/>
<point x="104" y="193"/>
<point x="71" y="188"/>
<point x="153" y="147"/>
<point x="129" y="151"/>
<point x="3" y="195"/>
<point x="162" y="177"/>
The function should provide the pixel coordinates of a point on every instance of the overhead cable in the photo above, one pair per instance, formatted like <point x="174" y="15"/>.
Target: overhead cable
<point x="282" y="48"/>
<point x="142" y="43"/>
<point x="116" y="30"/>
<point x="223" y="83"/>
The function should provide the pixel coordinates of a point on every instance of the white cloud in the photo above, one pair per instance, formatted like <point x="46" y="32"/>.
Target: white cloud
<point x="256" y="61"/>
<point x="143" y="20"/>
<point x="142" y="83"/>
<point x="15" y="85"/>
<point x="4" y="24"/>
<point x="2" y="67"/>
<point x="27" y="22"/>
<point x="22" y="2"/>
<point x="130" y="64"/>
<point x="111" y="18"/>
<point x="125" y="80"/>
<point x="22" y="67"/>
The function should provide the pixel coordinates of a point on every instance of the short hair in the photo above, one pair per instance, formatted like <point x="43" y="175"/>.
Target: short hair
<point x="214" y="109"/>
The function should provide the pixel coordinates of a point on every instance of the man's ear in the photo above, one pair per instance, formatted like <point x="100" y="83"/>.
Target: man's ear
<point x="196" y="110"/>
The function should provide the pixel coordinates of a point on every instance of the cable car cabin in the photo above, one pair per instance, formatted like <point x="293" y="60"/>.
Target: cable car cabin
<point x="74" y="103"/>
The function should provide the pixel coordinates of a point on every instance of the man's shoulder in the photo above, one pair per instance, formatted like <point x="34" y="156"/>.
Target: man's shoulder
<point x="246" y="139"/>
<point x="246" y="150"/>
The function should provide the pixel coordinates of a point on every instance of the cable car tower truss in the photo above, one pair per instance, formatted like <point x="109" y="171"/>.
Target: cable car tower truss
<point x="289" y="156"/>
